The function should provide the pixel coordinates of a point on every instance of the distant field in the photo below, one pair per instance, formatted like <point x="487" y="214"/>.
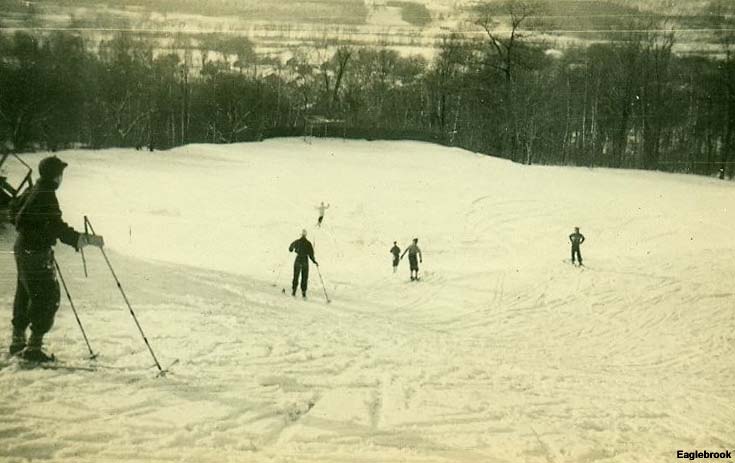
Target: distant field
<point x="417" y="24"/>
<point x="309" y="11"/>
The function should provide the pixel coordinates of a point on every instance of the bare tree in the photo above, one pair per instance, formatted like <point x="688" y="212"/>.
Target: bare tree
<point x="183" y="44"/>
<point x="505" y="39"/>
<point x="724" y="13"/>
<point x="655" y="89"/>
<point x="451" y="59"/>
<point x="341" y="58"/>
<point x="505" y="27"/>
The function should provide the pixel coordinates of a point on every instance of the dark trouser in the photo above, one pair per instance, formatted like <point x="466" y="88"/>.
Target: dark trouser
<point x="37" y="295"/>
<point x="413" y="263"/>
<point x="396" y="260"/>
<point x="575" y="252"/>
<point x="300" y="267"/>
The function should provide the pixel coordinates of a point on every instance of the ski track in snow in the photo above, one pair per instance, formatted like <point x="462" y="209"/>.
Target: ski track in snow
<point x="502" y="352"/>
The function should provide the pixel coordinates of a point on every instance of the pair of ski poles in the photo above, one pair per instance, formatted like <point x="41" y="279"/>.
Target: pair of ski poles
<point x="88" y="227"/>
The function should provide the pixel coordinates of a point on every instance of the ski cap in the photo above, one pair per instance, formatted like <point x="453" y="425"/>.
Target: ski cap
<point x="51" y="167"/>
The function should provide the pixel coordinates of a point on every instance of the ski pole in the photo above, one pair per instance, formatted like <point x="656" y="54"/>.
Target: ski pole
<point x="280" y="269"/>
<point x="92" y="355"/>
<point x="278" y="276"/>
<point x="84" y="261"/>
<point x="323" y="287"/>
<point x="161" y="372"/>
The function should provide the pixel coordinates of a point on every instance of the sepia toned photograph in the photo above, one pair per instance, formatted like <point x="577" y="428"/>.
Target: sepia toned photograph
<point x="367" y="231"/>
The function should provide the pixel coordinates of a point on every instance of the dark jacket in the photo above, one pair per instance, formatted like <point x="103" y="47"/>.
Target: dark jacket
<point x="396" y="251"/>
<point x="576" y="239"/>
<point x="412" y="250"/>
<point x="38" y="219"/>
<point x="304" y="250"/>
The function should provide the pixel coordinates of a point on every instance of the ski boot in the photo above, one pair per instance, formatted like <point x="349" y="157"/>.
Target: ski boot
<point x="36" y="356"/>
<point x="34" y="352"/>
<point x="18" y="343"/>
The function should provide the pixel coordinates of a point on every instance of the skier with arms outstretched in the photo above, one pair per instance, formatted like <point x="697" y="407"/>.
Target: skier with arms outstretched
<point x="321" y="208"/>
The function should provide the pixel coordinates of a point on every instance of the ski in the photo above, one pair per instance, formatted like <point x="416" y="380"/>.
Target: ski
<point x="56" y="365"/>
<point x="65" y="366"/>
<point x="305" y="299"/>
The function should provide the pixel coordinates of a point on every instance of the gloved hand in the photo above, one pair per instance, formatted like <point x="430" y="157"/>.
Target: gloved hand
<point x="96" y="240"/>
<point x="316" y="263"/>
<point x="90" y="240"/>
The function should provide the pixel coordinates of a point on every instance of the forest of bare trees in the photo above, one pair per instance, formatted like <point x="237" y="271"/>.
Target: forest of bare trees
<point x="626" y="102"/>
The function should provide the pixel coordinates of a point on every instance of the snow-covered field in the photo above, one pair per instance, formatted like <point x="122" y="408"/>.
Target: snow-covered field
<point x="504" y="352"/>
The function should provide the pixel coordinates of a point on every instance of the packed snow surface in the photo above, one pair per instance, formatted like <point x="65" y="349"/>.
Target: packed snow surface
<point x="503" y="352"/>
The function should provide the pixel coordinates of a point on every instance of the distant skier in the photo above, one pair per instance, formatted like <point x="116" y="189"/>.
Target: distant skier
<point x="322" y="208"/>
<point x="396" y="251"/>
<point x="576" y="239"/>
<point x="37" y="219"/>
<point x="414" y="257"/>
<point x="304" y="252"/>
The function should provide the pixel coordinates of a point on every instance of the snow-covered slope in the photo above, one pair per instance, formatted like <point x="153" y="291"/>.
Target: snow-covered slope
<point x="503" y="352"/>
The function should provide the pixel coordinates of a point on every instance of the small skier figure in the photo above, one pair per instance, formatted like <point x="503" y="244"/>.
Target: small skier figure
<point x="37" y="219"/>
<point x="414" y="252"/>
<point x="396" y="251"/>
<point x="321" y="209"/>
<point x="576" y="239"/>
<point x="304" y="252"/>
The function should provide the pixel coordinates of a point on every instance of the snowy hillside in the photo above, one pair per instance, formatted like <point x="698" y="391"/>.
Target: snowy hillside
<point x="503" y="352"/>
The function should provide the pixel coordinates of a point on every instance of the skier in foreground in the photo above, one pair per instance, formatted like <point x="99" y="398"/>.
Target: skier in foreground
<point x="396" y="251"/>
<point x="414" y="251"/>
<point x="37" y="219"/>
<point x="304" y="252"/>
<point x="576" y="239"/>
<point x="321" y="209"/>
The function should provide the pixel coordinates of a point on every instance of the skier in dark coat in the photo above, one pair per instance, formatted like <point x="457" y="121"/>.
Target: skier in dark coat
<point x="414" y="257"/>
<point x="576" y="239"/>
<point x="37" y="219"/>
<point x="396" y="251"/>
<point x="304" y="251"/>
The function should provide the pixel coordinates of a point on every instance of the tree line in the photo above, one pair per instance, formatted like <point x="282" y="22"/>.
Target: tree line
<point x="629" y="102"/>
